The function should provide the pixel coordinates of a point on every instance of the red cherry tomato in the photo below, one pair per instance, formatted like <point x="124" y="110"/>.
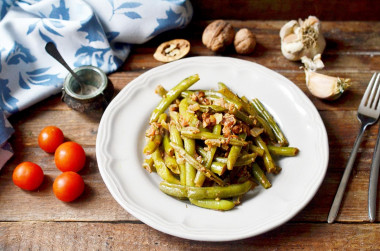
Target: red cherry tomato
<point x="50" y="138"/>
<point x="28" y="176"/>
<point x="68" y="186"/>
<point x="70" y="156"/>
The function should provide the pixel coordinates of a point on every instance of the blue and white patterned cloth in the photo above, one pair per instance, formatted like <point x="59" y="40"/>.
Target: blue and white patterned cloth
<point x="86" y="32"/>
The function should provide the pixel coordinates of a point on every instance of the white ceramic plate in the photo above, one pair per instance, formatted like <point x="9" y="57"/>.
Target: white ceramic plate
<point x="120" y="142"/>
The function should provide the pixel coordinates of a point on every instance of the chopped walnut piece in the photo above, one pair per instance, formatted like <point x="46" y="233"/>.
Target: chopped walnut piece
<point x="181" y="161"/>
<point x="228" y="122"/>
<point x="173" y="107"/>
<point x="208" y="120"/>
<point x="153" y="129"/>
<point x="221" y="102"/>
<point x="218" y="118"/>
<point x="193" y="108"/>
<point x="237" y="129"/>
<point x="213" y="142"/>
<point x="183" y="121"/>
<point x="191" y="129"/>
<point x="199" y="158"/>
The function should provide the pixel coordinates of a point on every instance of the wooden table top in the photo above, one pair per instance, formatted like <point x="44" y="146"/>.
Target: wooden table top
<point x="37" y="220"/>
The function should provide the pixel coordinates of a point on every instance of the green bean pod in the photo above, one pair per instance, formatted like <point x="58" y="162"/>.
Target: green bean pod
<point x="160" y="91"/>
<point x="210" y="154"/>
<point x="218" y="167"/>
<point x="178" y="191"/>
<point x="175" y="137"/>
<point x="210" y="135"/>
<point x="201" y="151"/>
<point x="243" y="160"/>
<point x="225" y="91"/>
<point x="149" y="165"/>
<point x="187" y="116"/>
<point x="199" y="177"/>
<point x="167" y="147"/>
<point x="272" y="123"/>
<point x="260" y="176"/>
<point x="198" y="193"/>
<point x="161" y="168"/>
<point x="221" y="205"/>
<point x="179" y="150"/>
<point x="152" y="144"/>
<point x="261" y="121"/>
<point x="234" y="153"/>
<point x="283" y="150"/>
<point x="247" y="107"/>
<point x="257" y="150"/>
<point x="171" y="163"/>
<point x="242" y="116"/>
<point x="189" y="145"/>
<point x="219" y="192"/>
<point x="268" y="160"/>
<point x="171" y="96"/>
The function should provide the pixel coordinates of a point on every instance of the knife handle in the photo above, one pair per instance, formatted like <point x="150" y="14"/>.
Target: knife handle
<point x="373" y="178"/>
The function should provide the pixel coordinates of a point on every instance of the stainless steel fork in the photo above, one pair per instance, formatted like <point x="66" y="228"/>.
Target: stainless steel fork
<point x="368" y="114"/>
<point x="373" y="179"/>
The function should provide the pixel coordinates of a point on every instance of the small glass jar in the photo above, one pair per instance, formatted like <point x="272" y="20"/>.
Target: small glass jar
<point x="95" y="94"/>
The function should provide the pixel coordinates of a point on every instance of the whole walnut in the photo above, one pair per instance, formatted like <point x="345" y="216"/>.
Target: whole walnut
<point x="245" y="41"/>
<point x="218" y="35"/>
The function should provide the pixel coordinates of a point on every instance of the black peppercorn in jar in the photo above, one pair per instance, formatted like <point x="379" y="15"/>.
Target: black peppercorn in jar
<point x="91" y="95"/>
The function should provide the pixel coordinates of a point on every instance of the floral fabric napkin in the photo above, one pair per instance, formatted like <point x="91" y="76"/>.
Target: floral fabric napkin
<point x="86" y="32"/>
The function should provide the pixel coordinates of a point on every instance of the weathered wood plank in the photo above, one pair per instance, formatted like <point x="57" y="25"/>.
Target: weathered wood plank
<point x="288" y="9"/>
<point x="354" y="204"/>
<point x="97" y="204"/>
<point x="344" y="63"/>
<point x="351" y="46"/>
<point x="349" y="101"/>
<point x="342" y="37"/>
<point x="127" y="236"/>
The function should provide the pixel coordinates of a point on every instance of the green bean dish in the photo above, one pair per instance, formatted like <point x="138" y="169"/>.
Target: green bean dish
<point x="211" y="147"/>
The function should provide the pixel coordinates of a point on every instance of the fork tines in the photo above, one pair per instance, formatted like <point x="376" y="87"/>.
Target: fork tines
<point x="371" y="95"/>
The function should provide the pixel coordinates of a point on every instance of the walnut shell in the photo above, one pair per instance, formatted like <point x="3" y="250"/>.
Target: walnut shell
<point x="172" y="50"/>
<point x="245" y="41"/>
<point x="218" y="35"/>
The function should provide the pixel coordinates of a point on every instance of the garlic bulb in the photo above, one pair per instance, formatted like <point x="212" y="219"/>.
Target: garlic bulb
<point x="302" y="38"/>
<point x="325" y="87"/>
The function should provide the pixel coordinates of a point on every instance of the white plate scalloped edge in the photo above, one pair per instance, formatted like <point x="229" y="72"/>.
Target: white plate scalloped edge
<point x="120" y="141"/>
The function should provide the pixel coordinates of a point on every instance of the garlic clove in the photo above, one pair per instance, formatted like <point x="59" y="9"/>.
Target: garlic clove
<point x="288" y="28"/>
<point x="311" y="20"/>
<point x="293" y="47"/>
<point x="325" y="87"/>
<point x="313" y="64"/>
<point x="291" y="38"/>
